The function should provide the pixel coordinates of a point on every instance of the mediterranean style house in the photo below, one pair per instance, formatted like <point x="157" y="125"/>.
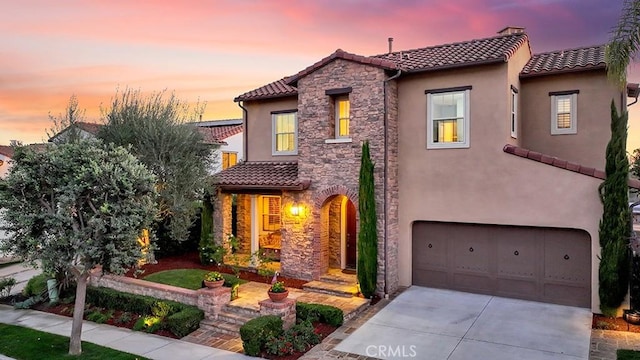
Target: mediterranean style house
<point x="486" y="167"/>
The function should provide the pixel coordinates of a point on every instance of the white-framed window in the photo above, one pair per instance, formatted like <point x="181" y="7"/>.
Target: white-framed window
<point x="285" y="133"/>
<point x="271" y="213"/>
<point x="564" y="115"/>
<point x="448" y="118"/>
<point x="513" y="115"/>
<point x="342" y="116"/>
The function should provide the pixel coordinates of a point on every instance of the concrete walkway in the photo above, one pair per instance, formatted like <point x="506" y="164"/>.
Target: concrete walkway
<point x="138" y="343"/>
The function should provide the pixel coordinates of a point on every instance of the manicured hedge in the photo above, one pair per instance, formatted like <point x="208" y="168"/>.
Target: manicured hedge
<point x="318" y="312"/>
<point x="255" y="332"/>
<point x="180" y="319"/>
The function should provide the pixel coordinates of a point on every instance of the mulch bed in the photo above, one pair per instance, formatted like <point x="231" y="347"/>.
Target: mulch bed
<point x="192" y="261"/>
<point x="608" y="323"/>
<point x="321" y="329"/>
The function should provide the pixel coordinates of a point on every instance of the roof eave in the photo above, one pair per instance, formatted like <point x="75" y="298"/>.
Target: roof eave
<point x="298" y="187"/>
<point x="265" y="97"/>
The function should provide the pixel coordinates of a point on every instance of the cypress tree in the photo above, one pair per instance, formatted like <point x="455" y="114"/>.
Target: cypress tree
<point x="368" y="234"/>
<point x="615" y="224"/>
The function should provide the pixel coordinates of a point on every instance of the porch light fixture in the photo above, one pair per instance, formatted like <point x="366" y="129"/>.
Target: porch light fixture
<point x="296" y="209"/>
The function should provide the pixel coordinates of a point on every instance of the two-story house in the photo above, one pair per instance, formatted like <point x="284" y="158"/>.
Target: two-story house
<point x="485" y="167"/>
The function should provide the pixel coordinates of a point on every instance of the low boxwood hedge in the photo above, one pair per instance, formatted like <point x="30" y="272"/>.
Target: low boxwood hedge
<point x="318" y="312"/>
<point x="255" y="332"/>
<point x="179" y="318"/>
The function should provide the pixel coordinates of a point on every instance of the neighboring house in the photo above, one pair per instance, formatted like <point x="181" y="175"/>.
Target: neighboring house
<point x="6" y="153"/>
<point x="485" y="167"/>
<point x="227" y="134"/>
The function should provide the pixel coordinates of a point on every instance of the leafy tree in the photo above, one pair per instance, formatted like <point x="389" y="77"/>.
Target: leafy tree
<point x="368" y="235"/>
<point x="154" y="128"/>
<point x="616" y="220"/>
<point x="624" y="43"/>
<point x="67" y="121"/>
<point x="76" y="206"/>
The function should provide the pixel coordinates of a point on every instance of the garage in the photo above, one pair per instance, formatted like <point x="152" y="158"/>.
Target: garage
<point x="541" y="264"/>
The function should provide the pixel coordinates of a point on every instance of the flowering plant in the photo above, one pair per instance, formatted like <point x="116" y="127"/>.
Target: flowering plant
<point x="278" y="287"/>
<point x="213" y="276"/>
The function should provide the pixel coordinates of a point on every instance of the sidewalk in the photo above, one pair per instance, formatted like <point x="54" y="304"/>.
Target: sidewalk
<point x="134" y="342"/>
<point x="21" y="272"/>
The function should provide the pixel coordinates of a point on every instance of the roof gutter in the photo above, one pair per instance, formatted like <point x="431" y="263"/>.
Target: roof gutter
<point x="386" y="177"/>
<point x="245" y="129"/>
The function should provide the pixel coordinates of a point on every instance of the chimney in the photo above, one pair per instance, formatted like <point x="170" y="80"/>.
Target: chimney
<point x="390" y="45"/>
<point x="509" y="30"/>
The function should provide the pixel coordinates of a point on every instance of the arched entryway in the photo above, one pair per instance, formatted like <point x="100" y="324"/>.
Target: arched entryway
<point x="339" y="232"/>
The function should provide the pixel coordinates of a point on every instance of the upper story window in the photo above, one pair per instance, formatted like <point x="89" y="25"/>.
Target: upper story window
<point x="229" y="159"/>
<point x="448" y="118"/>
<point x="339" y="115"/>
<point x="513" y="116"/>
<point x="343" y="109"/>
<point x="284" y="133"/>
<point x="564" y="105"/>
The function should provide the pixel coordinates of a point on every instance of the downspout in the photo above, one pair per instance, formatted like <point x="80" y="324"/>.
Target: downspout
<point x="245" y="129"/>
<point x="384" y="183"/>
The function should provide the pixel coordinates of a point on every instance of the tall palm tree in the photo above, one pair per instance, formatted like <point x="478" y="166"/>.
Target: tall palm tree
<point x="624" y="43"/>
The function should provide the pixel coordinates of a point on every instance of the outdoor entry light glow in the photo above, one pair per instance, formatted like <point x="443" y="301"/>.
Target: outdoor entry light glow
<point x="296" y="209"/>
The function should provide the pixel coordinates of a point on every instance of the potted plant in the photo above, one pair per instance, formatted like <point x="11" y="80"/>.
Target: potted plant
<point x="213" y="280"/>
<point x="278" y="292"/>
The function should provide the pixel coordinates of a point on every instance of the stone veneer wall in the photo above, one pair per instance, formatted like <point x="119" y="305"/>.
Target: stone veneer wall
<point x="221" y="218"/>
<point x="297" y="248"/>
<point x="334" y="167"/>
<point x="334" y="231"/>
<point x="146" y="288"/>
<point x="243" y="203"/>
<point x="393" y="279"/>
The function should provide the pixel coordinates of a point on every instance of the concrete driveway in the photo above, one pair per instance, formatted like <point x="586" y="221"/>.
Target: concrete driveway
<point x="425" y="323"/>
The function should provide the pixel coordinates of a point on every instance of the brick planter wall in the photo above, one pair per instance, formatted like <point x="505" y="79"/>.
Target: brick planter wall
<point x="210" y="301"/>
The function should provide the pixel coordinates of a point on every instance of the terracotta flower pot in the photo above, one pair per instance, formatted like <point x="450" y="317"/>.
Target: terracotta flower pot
<point x="278" y="297"/>
<point x="214" y="284"/>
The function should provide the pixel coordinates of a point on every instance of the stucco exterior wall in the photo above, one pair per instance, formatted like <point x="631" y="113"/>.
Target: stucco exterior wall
<point x="517" y="61"/>
<point x="258" y="128"/>
<point x="234" y="144"/>
<point x="588" y="146"/>
<point x="4" y="168"/>
<point x="482" y="184"/>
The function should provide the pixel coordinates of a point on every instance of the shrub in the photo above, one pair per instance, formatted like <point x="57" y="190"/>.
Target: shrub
<point x="368" y="235"/>
<point x="179" y="318"/>
<point x="212" y="254"/>
<point x="256" y="332"/>
<point x="318" y="312"/>
<point x="124" y="318"/>
<point x="298" y="338"/>
<point x="184" y="322"/>
<point x="6" y="284"/>
<point x="99" y="317"/>
<point x="36" y="286"/>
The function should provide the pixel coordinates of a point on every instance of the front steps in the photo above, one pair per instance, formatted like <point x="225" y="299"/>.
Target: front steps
<point x="229" y="320"/>
<point x="334" y="283"/>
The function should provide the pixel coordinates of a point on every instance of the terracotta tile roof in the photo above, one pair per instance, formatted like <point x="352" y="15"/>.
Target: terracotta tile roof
<point x="261" y="175"/>
<point x="562" y="164"/>
<point x="587" y="58"/>
<point x="275" y="89"/>
<point x="467" y="53"/>
<point x="341" y="54"/>
<point x="91" y="128"/>
<point x="6" y="150"/>
<point x="217" y="134"/>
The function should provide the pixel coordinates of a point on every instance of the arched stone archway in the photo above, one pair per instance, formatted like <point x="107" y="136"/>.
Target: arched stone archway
<point x="335" y="231"/>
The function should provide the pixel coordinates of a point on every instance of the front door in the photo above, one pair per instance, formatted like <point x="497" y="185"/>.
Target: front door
<point x="352" y="238"/>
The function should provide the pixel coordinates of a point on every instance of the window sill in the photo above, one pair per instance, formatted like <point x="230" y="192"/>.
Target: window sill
<point x="338" y="141"/>
<point x="438" y="146"/>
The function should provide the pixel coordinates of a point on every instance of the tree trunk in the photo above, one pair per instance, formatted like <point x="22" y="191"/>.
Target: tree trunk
<point x="75" y="343"/>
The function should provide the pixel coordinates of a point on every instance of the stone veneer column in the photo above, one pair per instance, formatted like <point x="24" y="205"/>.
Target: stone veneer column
<point x="211" y="301"/>
<point x="285" y="309"/>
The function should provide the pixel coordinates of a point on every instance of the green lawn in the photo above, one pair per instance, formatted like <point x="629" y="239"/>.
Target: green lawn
<point x="628" y="355"/>
<point x="25" y="344"/>
<point x="187" y="278"/>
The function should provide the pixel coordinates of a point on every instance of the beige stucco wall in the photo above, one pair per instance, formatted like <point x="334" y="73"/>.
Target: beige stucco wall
<point x="482" y="184"/>
<point x="588" y="146"/>
<point x="258" y="135"/>
<point x="517" y="61"/>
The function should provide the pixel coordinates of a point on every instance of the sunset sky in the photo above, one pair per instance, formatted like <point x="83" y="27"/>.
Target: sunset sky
<point x="214" y="50"/>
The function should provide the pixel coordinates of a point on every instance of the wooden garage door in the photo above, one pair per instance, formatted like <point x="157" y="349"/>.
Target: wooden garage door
<point x="541" y="264"/>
